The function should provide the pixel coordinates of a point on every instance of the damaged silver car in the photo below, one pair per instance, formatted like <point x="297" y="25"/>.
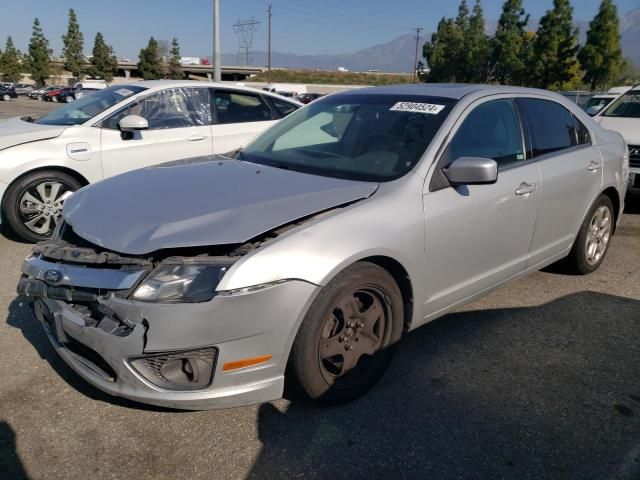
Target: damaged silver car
<point x="304" y="257"/>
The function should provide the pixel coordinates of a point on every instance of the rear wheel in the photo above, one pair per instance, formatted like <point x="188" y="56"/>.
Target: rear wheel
<point x="592" y="242"/>
<point x="68" y="99"/>
<point x="348" y="337"/>
<point x="33" y="204"/>
<point x="6" y="97"/>
<point x="54" y="99"/>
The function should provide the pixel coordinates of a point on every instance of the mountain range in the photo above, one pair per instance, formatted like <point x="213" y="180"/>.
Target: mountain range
<point x="398" y="54"/>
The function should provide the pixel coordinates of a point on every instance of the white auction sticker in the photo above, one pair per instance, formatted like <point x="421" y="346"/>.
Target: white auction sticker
<point x="430" y="108"/>
<point x="125" y="92"/>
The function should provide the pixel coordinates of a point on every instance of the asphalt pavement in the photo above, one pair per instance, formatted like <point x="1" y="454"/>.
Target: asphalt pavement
<point x="539" y="380"/>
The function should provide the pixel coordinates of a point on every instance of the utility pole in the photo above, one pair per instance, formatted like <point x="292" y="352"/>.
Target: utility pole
<point x="217" y="76"/>
<point x="415" y="60"/>
<point x="269" y="46"/>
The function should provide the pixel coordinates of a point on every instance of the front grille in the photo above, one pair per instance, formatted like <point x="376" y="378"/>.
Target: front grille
<point x="634" y="156"/>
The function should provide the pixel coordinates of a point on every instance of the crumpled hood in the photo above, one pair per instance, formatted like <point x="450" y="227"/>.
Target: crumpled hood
<point x="14" y="131"/>
<point x="200" y="202"/>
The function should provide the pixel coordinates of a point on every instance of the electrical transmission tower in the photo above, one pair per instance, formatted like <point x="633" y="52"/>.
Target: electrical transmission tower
<point x="245" y="29"/>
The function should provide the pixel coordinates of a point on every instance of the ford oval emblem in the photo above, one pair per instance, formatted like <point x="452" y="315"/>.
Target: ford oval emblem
<point x="53" y="276"/>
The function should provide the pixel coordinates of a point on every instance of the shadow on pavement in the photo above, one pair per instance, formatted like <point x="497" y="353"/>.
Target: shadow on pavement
<point x="526" y="393"/>
<point x="632" y="204"/>
<point x="10" y="464"/>
<point x="7" y="233"/>
<point x="21" y="316"/>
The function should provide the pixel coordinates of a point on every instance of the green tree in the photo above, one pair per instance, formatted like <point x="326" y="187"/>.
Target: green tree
<point x="601" y="56"/>
<point x="555" y="47"/>
<point x="175" y="67"/>
<point x="149" y="62"/>
<point x="508" y="45"/>
<point x="442" y="51"/>
<point x="103" y="61"/>
<point x="39" y="59"/>
<point x="475" y="55"/>
<point x="73" y="49"/>
<point x="10" y="63"/>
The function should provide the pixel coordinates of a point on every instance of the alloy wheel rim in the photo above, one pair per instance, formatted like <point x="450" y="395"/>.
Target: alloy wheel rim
<point x="355" y="329"/>
<point x="598" y="235"/>
<point x="41" y="205"/>
<point x="6" y="98"/>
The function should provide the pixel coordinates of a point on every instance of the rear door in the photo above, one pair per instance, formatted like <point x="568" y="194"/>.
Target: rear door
<point x="238" y="117"/>
<point x="570" y="170"/>
<point x="179" y="127"/>
<point x="479" y="235"/>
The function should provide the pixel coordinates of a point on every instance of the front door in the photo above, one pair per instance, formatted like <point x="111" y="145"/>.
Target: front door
<point x="479" y="235"/>
<point x="179" y="127"/>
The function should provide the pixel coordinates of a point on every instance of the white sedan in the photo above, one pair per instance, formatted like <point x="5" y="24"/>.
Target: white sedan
<point x="120" y="128"/>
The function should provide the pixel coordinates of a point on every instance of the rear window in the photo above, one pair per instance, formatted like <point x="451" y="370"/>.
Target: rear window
<point x="284" y="108"/>
<point x="551" y="126"/>
<point x="626" y="106"/>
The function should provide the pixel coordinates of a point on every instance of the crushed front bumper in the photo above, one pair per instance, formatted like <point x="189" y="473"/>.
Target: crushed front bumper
<point x="227" y="329"/>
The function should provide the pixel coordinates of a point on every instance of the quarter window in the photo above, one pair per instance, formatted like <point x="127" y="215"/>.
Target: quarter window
<point x="239" y="107"/>
<point x="491" y="130"/>
<point x="582" y="133"/>
<point x="283" y="108"/>
<point x="551" y="126"/>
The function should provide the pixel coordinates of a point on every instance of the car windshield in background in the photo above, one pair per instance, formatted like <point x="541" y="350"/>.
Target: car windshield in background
<point x="628" y="106"/>
<point x="359" y="136"/>
<point x="89" y="106"/>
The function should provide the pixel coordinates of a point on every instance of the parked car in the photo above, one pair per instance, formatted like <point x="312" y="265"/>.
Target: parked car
<point x="117" y="129"/>
<point x="23" y="88"/>
<point x="68" y="96"/>
<point x="210" y="282"/>
<point x="54" y="95"/>
<point x="308" y="97"/>
<point x="90" y="85"/>
<point x="39" y="94"/>
<point x="596" y="103"/>
<point x="7" y="93"/>
<point x="623" y="116"/>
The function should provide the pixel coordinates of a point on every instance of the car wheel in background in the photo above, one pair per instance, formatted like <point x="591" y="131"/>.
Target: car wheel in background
<point x="54" y="99"/>
<point x="33" y="203"/>
<point x="6" y="97"/>
<point x="348" y="337"/>
<point x="592" y="242"/>
<point x="68" y="99"/>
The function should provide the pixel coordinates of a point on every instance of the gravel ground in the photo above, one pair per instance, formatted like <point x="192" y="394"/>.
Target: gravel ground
<point x="539" y="380"/>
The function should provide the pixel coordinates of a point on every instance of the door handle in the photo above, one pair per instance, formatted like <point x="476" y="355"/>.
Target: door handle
<point x="195" y="138"/>
<point x="594" y="166"/>
<point x="526" y="188"/>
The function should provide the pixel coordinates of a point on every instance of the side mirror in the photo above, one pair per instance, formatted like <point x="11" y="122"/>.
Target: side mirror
<point x="133" y="123"/>
<point x="472" y="171"/>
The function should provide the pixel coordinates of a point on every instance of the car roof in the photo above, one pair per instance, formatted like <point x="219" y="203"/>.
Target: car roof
<point x="447" y="90"/>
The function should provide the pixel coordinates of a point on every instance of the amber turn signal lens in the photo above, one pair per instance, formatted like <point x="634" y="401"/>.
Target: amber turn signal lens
<point x="246" y="362"/>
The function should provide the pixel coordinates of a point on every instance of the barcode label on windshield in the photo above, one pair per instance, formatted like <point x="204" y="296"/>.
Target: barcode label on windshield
<point x="430" y="108"/>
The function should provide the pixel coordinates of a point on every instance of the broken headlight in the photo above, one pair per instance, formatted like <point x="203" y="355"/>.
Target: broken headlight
<point x="177" y="282"/>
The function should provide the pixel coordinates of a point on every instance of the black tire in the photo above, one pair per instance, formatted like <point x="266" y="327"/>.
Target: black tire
<point x="579" y="261"/>
<point x="312" y="377"/>
<point x="11" y="203"/>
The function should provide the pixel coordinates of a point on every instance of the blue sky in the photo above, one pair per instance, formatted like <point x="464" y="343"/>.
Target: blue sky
<point x="299" y="26"/>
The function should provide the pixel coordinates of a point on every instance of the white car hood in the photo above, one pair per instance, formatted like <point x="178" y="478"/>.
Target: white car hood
<point x="15" y="131"/>
<point x="629" y="128"/>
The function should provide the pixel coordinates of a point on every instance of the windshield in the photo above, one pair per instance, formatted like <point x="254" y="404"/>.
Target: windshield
<point x="355" y="136"/>
<point x="595" y="104"/>
<point x="627" y="106"/>
<point x="89" y="106"/>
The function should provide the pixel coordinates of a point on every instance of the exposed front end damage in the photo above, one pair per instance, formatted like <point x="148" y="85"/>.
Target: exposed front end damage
<point x="168" y="353"/>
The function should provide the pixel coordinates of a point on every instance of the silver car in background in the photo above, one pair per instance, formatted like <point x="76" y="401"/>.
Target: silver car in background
<point x="212" y="282"/>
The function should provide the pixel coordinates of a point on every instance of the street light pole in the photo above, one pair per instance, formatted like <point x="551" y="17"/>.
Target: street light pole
<point x="415" y="60"/>
<point x="269" y="47"/>
<point x="217" y="76"/>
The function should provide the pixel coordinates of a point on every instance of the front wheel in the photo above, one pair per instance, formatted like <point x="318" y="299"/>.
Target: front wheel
<point x="6" y="97"/>
<point x="33" y="204"/>
<point x="592" y="242"/>
<point x="348" y="337"/>
<point x="69" y="99"/>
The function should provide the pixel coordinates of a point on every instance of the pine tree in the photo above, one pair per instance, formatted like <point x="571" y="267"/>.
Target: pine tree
<point x="441" y="51"/>
<point x="555" y="47"/>
<point x="10" y="65"/>
<point x="149" y="63"/>
<point x="39" y="59"/>
<point x="508" y="44"/>
<point x="73" y="49"/>
<point x="103" y="62"/>
<point x="601" y="56"/>
<point x="457" y="47"/>
<point x="175" y="67"/>
<point x="476" y="48"/>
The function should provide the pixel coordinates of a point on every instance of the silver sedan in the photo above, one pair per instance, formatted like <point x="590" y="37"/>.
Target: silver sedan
<point x="303" y="258"/>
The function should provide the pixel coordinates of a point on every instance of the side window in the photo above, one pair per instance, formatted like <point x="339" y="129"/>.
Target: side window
<point x="284" y="108"/>
<point x="584" y="137"/>
<point x="551" y="126"/>
<point x="239" y="107"/>
<point x="173" y="108"/>
<point x="491" y="130"/>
